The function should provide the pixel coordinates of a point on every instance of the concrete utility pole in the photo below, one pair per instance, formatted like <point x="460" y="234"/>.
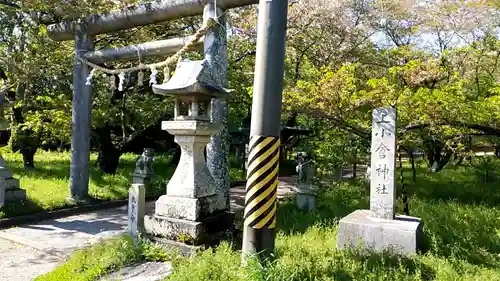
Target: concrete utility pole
<point x="263" y="159"/>
<point x="82" y="117"/>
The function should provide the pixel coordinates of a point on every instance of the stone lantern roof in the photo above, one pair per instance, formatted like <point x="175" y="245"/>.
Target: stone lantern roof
<point x="193" y="80"/>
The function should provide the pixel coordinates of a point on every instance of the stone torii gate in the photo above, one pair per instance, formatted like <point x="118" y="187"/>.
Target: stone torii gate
<point x="83" y="32"/>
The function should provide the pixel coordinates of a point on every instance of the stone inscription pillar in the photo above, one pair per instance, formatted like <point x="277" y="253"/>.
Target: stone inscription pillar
<point x="383" y="163"/>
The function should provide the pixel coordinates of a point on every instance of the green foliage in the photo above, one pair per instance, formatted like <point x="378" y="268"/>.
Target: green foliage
<point x="155" y="252"/>
<point x="93" y="262"/>
<point x="336" y="71"/>
<point x="462" y="238"/>
<point x="486" y="168"/>
<point x="224" y="265"/>
<point x="39" y="73"/>
<point x="334" y="75"/>
<point x="446" y="98"/>
<point x="236" y="169"/>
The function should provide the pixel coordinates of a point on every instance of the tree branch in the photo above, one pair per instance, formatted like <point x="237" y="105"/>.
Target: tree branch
<point x="359" y="131"/>
<point x="483" y="128"/>
<point x="9" y="4"/>
<point x="249" y="53"/>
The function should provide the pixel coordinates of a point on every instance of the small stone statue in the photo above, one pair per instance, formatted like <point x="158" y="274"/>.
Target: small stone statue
<point x="305" y="190"/>
<point x="305" y="168"/>
<point x="145" y="163"/>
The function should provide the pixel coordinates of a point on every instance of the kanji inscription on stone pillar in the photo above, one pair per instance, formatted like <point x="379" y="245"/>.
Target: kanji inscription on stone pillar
<point x="383" y="163"/>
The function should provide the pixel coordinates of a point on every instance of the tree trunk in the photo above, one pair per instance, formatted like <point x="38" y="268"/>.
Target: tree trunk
<point x="109" y="155"/>
<point x="406" y="207"/>
<point x="108" y="160"/>
<point x="437" y="154"/>
<point x="441" y="161"/>
<point x="28" y="157"/>
<point x="413" y="169"/>
<point x="25" y="141"/>
<point x="433" y="152"/>
<point x="469" y="146"/>
<point x="445" y="159"/>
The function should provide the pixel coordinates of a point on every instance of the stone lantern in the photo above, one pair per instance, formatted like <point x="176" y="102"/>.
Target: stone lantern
<point x="191" y="211"/>
<point x="9" y="186"/>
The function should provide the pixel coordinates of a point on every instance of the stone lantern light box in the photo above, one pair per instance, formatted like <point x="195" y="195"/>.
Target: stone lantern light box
<point x="193" y="88"/>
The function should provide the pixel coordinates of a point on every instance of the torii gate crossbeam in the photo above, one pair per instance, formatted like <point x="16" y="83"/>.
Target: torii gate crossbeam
<point x="133" y="16"/>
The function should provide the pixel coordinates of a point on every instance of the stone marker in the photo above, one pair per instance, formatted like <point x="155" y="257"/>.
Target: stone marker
<point x="136" y="209"/>
<point x="144" y="172"/>
<point x="379" y="228"/>
<point x="305" y="189"/>
<point x="383" y="164"/>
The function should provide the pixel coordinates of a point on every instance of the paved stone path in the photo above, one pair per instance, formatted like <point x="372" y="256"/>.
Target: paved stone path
<point x="284" y="191"/>
<point x="37" y="248"/>
<point x="33" y="249"/>
<point x="19" y="262"/>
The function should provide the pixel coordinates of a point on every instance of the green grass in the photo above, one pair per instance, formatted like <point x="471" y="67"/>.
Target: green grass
<point x="47" y="186"/>
<point x="96" y="261"/>
<point x="461" y="217"/>
<point x="236" y="173"/>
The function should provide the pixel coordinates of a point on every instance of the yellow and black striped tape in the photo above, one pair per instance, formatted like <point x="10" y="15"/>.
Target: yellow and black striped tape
<point x="262" y="182"/>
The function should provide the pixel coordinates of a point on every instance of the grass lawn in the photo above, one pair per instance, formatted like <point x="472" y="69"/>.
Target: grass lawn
<point x="47" y="186"/>
<point x="461" y="217"/>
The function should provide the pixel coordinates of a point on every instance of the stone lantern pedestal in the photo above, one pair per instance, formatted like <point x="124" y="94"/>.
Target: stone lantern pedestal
<point x="9" y="186"/>
<point x="191" y="211"/>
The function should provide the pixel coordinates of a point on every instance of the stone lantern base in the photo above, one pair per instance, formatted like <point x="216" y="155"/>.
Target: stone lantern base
<point x="191" y="212"/>
<point x="206" y="232"/>
<point x="306" y="197"/>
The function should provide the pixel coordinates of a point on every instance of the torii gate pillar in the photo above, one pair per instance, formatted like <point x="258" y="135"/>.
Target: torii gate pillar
<point x="82" y="117"/>
<point x="215" y="49"/>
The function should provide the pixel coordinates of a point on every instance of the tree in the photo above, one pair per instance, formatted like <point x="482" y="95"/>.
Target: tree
<point x="39" y="72"/>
